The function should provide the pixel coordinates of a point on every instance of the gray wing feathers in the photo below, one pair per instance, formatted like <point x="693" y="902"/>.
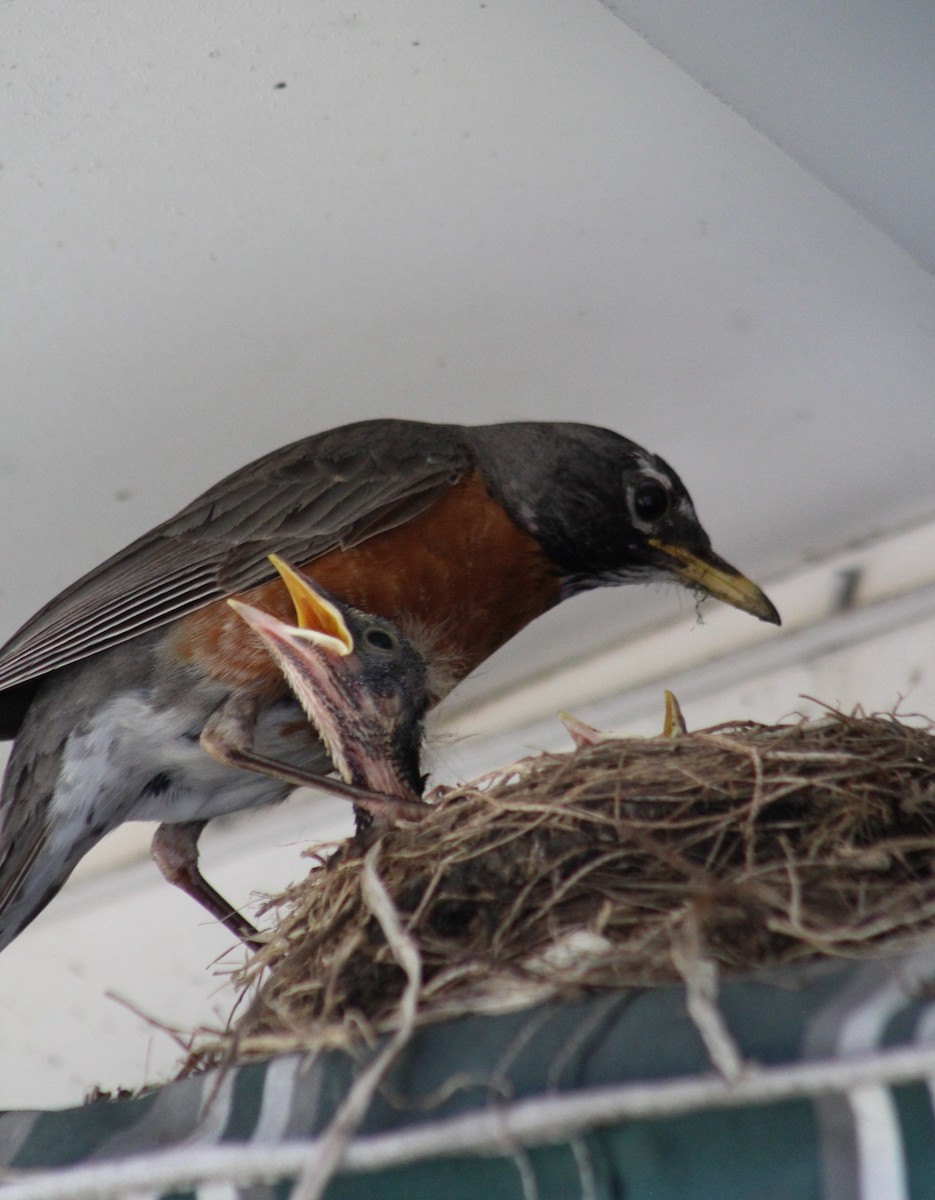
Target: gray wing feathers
<point x="300" y="502"/>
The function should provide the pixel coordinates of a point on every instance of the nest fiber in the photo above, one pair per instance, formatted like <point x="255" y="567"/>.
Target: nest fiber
<point x="742" y="845"/>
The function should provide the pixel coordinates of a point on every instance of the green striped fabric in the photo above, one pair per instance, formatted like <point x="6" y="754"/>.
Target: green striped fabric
<point x="610" y="1095"/>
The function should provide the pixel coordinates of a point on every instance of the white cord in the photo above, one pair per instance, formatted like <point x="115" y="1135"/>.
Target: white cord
<point x="551" y="1118"/>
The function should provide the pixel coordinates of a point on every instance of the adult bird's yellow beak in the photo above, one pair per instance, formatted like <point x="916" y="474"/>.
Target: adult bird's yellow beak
<point x="719" y="579"/>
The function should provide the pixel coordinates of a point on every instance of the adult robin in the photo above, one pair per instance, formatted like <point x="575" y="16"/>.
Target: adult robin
<point x="114" y="688"/>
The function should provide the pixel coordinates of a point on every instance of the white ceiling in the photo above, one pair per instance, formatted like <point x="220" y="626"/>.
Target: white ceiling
<point x="845" y="86"/>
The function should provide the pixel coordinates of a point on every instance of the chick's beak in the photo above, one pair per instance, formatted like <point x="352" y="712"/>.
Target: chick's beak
<point x="308" y="652"/>
<point x="279" y="636"/>
<point x="719" y="579"/>
<point x="313" y="611"/>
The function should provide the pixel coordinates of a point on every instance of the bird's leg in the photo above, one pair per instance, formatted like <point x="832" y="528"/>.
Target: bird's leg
<point x="228" y="738"/>
<point x="175" y="852"/>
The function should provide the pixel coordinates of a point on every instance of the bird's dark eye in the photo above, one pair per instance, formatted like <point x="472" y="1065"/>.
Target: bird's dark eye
<point x="379" y="639"/>
<point x="651" y="500"/>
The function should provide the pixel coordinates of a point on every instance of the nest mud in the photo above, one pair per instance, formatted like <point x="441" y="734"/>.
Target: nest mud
<point x="752" y="845"/>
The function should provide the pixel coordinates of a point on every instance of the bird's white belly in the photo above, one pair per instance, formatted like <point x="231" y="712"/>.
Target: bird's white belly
<point x="134" y="762"/>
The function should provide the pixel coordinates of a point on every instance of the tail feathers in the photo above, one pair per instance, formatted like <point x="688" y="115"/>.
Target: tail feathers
<point x="31" y="873"/>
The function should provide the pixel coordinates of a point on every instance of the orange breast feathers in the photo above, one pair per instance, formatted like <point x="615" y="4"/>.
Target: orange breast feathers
<point x="461" y="579"/>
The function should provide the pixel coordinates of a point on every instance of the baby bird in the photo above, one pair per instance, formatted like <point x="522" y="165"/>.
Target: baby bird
<point x="364" y="687"/>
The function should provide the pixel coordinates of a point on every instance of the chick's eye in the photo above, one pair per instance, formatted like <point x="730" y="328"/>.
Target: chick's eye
<point x="651" y="500"/>
<point x="379" y="639"/>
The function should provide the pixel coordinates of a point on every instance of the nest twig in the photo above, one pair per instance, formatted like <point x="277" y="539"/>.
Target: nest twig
<point x="762" y="845"/>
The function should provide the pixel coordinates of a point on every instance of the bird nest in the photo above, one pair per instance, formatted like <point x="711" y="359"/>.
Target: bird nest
<point x="619" y="863"/>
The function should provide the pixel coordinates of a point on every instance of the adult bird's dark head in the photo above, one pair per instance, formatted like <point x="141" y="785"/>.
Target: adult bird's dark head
<point x="361" y="682"/>
<point x="608" y="512"/>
